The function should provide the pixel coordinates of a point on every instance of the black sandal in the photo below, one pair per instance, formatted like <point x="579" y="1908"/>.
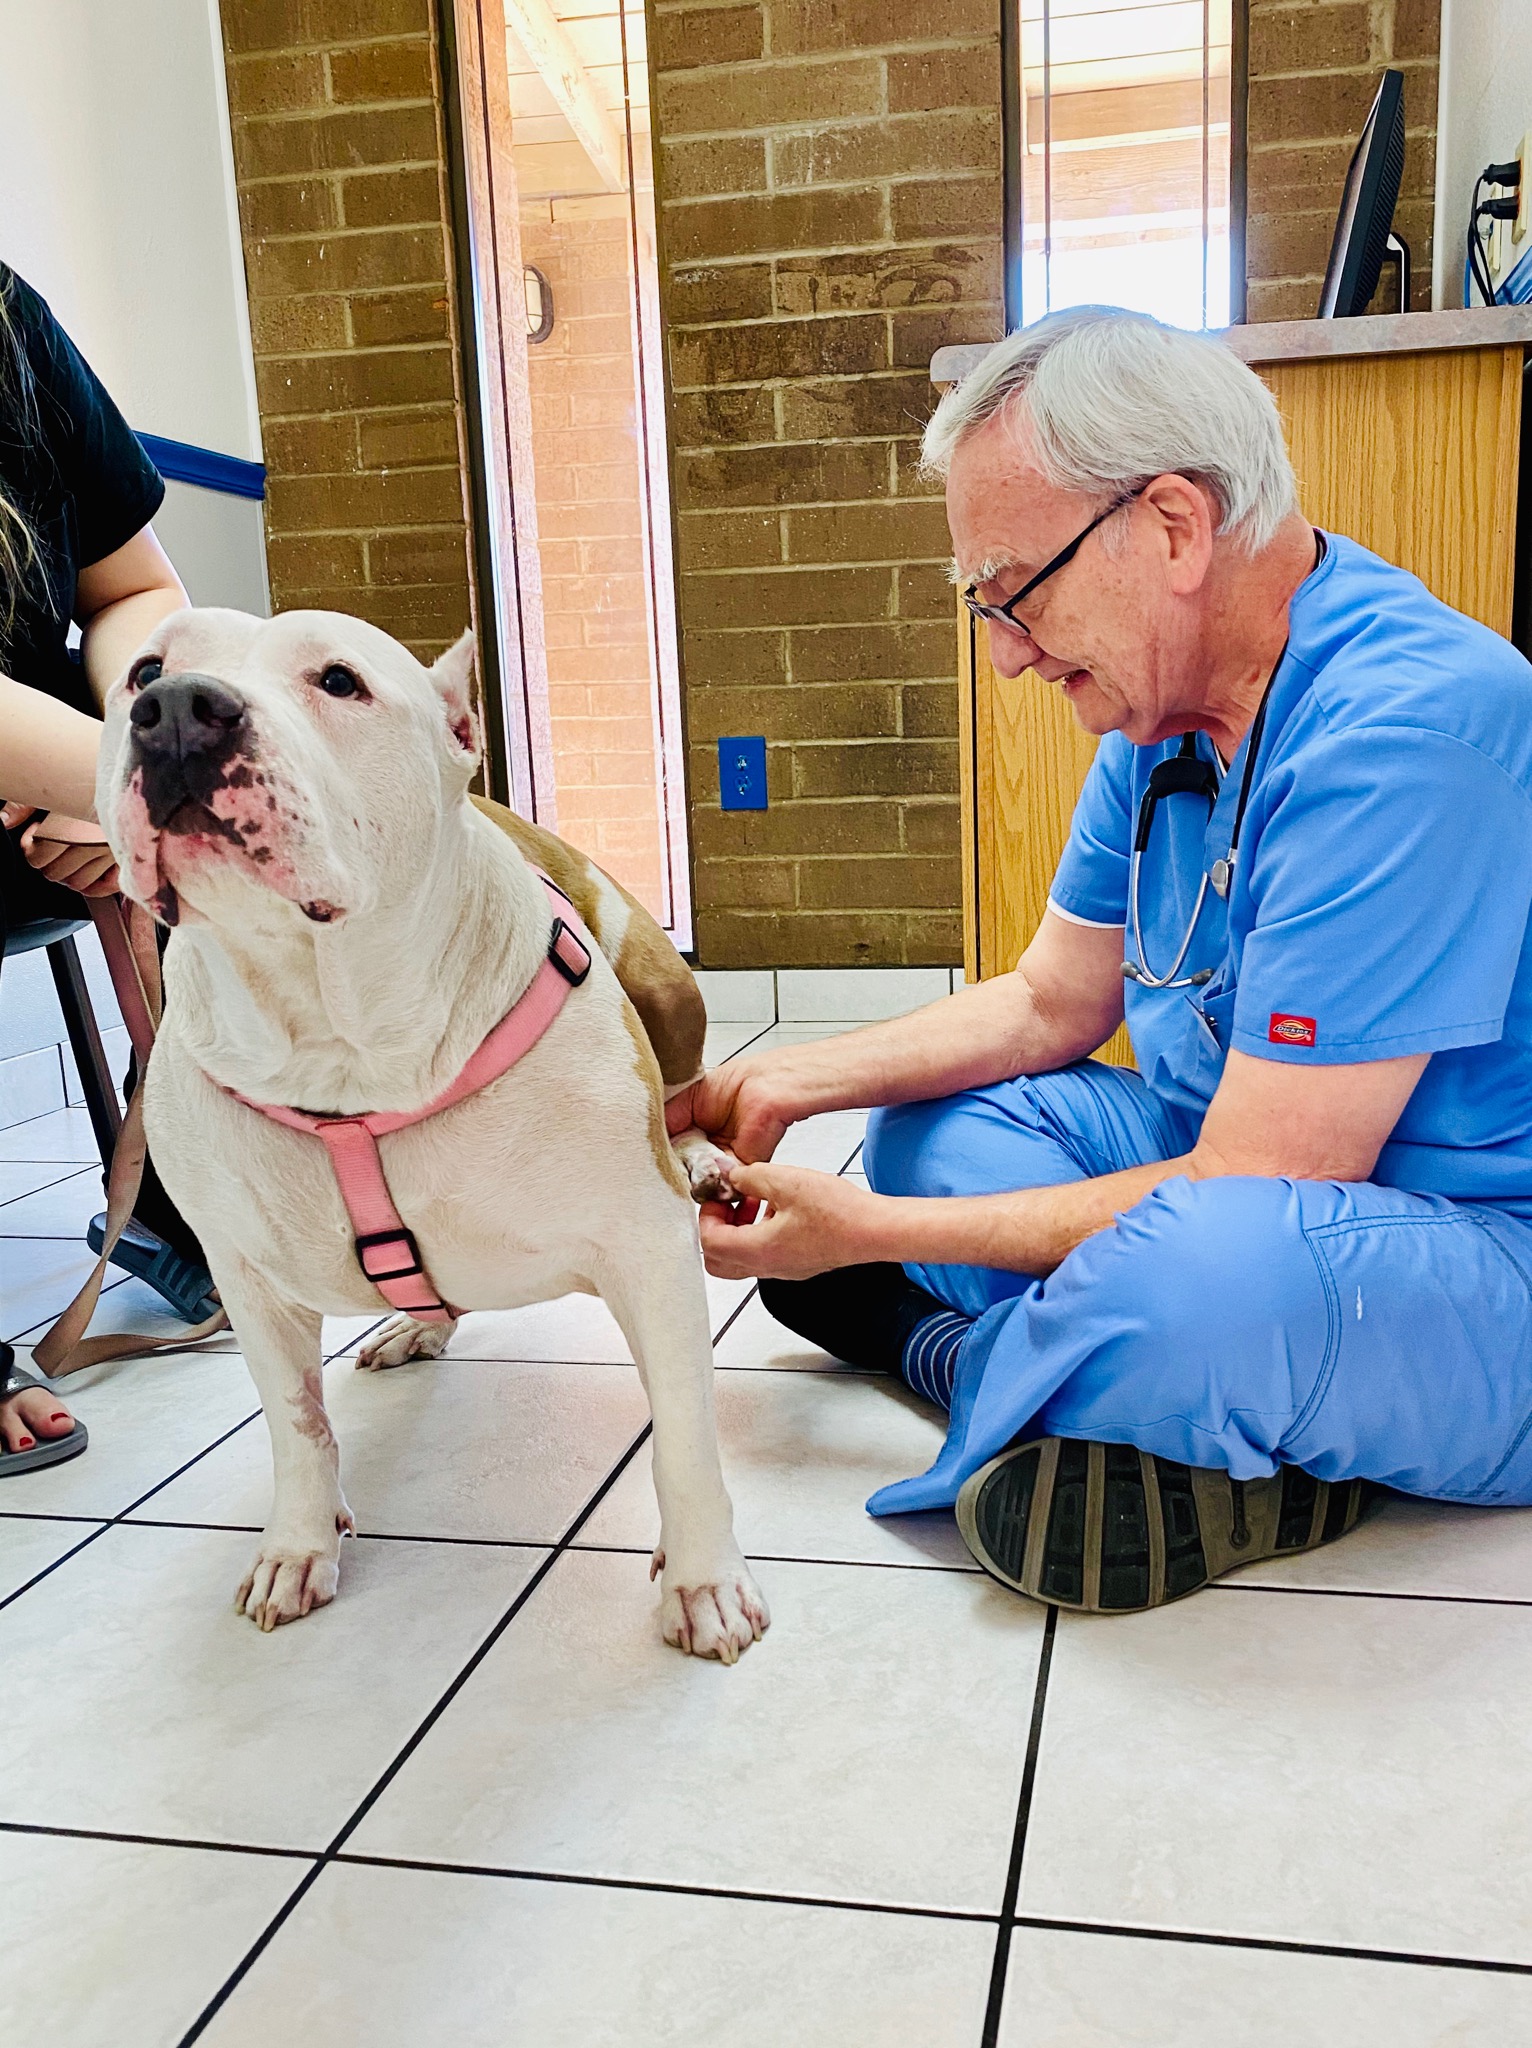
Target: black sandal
<point x="1107" y="1529"/>
<point x="46" y="1450"/>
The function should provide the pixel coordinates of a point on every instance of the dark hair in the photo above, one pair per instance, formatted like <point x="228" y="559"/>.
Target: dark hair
<point x="18" y="544"/>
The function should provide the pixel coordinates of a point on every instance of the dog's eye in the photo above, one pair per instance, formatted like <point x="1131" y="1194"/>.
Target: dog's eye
<point x="149" y="670"/>
<point x="338" y="681"/>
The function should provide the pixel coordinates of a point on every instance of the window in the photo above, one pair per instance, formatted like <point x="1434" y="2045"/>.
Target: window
<point x="1121" y="126"/>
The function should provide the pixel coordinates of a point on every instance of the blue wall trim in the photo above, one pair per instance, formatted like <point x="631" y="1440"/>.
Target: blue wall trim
<point x="182" y="463"/>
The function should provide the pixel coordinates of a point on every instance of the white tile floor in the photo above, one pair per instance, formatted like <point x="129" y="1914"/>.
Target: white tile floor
<point x="476" y="1802"/>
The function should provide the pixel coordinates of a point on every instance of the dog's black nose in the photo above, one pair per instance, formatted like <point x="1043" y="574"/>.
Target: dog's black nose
<point x="184" y="715"/>
<point x="190" y="734"/>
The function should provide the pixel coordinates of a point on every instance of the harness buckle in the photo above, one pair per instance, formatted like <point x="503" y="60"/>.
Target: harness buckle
<point x="374" y="1238"/>
<point x="574" y="965"/>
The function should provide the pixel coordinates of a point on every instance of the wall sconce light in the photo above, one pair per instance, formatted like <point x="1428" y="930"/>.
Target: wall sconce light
<point x="539" y="304"/>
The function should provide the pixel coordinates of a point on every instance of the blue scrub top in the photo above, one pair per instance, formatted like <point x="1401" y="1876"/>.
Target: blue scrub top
<point x="1381" y="900"/>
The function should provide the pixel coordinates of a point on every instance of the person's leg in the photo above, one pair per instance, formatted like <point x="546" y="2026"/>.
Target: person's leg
<point x="1240" y="1327"/>
<point x="1352" y="1329"/>
<point x="158" y="1245"/>
<point x="36" y="1414"/>
<point x="1086" y="1120"/>
<point x="1038" y="1131"/>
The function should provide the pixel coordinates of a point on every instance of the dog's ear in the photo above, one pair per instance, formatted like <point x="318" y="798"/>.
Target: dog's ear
<point x="452" y="674"/>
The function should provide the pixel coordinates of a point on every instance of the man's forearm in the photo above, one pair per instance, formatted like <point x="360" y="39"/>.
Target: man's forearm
<point x="1031" y="1230"/>
<point x="984" y="1033"/>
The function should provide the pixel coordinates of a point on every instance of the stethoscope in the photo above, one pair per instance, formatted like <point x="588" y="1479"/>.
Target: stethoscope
<point x="1187" y="774"/>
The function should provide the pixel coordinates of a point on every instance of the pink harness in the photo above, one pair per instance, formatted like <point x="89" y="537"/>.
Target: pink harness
<point x="379" y="1231"/>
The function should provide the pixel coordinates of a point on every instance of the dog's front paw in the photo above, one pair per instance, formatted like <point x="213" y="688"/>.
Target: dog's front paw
<point x="286" y="1582"/>
<point x="714" y="1614"/>
<point x="400" y="1340"/>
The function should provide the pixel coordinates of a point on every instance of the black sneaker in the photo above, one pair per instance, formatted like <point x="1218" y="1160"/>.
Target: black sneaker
<point x="1108" y="1529"/>
<point x="861" y="1314"/>
<point x="187" y="1286"/>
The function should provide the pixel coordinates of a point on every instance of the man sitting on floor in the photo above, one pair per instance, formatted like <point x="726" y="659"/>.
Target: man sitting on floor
<point x="1180" y="1316"/>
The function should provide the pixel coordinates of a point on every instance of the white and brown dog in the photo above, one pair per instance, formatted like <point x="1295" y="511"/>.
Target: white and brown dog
<point x="291" y="796"/>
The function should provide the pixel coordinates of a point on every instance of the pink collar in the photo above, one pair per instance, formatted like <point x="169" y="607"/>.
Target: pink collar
<point x="386" y="1251"/>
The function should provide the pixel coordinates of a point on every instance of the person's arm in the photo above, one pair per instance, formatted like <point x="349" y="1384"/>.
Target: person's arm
<point x="48" y="749"/>
<point x="118" y="603"/>
<point x="47" y="754"/>
<point x="1063" y="1000"/>
<point x="1267" y="1120"/>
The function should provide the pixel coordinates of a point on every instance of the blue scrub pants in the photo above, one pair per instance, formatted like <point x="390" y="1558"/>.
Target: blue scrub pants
<point x="1348" y="1328"/>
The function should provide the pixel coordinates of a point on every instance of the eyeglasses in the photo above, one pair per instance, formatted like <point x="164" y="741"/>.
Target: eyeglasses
<point x="1005" y="614"/>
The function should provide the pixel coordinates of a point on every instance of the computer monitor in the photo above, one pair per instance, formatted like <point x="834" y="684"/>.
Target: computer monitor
<point x="1367" y="206"/>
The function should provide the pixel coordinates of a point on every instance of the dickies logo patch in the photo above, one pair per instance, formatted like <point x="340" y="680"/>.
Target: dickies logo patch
<point x="1285" y="1030"/>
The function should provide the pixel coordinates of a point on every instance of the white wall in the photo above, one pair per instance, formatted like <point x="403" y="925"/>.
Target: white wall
<point x="117" y="203"/>
<point x="218" y="544"/>
<point x="1485" y="108"/>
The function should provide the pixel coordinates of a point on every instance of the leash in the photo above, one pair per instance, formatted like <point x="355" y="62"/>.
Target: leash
<point x="133" y="957"/>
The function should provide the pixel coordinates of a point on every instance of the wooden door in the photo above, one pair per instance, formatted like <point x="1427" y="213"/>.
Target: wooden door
<point x="1024" y="757"/>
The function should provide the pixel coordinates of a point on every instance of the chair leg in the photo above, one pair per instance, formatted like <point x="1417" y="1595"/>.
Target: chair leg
<point x="85" y="1042"/>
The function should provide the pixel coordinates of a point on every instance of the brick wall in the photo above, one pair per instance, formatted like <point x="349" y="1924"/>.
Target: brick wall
<point x="1314" y="68"/>
<point x="590" y="522"/>
<point x="830" y="211"/>
<point x="338" y="149"/>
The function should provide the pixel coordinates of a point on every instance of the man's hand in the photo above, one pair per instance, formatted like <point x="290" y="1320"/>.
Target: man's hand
<point x="812" y="1222"/>
<point x="744" y="1106"/>
<point x="70" y="851"/>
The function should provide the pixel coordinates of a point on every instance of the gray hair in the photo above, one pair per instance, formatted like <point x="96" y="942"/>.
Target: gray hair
<point x="1115" y="399"/>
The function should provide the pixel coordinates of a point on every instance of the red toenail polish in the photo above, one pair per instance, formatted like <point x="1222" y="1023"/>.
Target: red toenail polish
<point x="59" y="1415"/>
<point x="25" y="1444"/>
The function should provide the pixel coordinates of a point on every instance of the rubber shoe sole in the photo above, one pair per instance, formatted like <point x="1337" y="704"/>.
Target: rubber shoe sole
<point x="1107" y="1529"/>
<point x="186" y="1287"/>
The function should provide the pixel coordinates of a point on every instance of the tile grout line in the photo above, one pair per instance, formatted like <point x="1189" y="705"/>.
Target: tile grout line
<point x="1110" y="1930"/>
<point x="666" y="1888"/>
<point x="42" y="1188"/>
<point x="990" y="2032"/>
<point x="27" y="1335"/>
<point x="38" y="1515"/>
<point x="370" y="1798"/>
<point x="128" y="1518"/>
<point x="872" y="1564"/>
<point x="22" y="1121"/>
<point x="507" y="1872"/>
<point x="759" y="1035"/>
<point x="1271" y="1943"/>
<point x="121" y="1517"/>
<point x="734" y="1315"/>
<point x="1371" y="1593"/>
<point x="195" y="1842"/>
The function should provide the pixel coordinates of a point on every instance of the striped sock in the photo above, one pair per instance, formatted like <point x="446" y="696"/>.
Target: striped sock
<point x="928" y="1362"/>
